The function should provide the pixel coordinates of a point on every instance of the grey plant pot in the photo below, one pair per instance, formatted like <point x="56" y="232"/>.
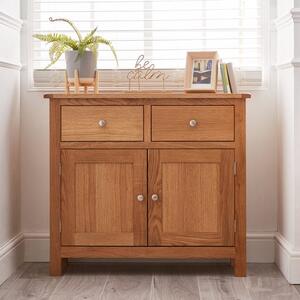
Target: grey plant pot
<point x="86" y="64"/>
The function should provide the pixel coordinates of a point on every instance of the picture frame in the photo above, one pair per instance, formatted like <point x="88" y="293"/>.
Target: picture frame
<point x="201" y="72"/>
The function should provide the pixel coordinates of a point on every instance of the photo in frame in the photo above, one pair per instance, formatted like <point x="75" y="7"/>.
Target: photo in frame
<point x="201" y="73"/>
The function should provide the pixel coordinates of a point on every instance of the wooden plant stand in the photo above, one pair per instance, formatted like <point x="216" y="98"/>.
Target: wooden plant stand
<point x="85" y="83"/>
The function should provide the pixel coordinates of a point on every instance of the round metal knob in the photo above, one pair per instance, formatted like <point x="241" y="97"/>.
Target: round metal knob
<point x="154" y="197"/>
<point x="140" y="198"/>
<point x="193" y="123"/>
<point x="102" y="123"/>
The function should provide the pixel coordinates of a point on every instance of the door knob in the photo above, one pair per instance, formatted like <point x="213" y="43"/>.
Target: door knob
<point x="102" y="123"/>
<point x="154" y="197"/>
<point x="140" y="198"/>
<point x="193" y="123"/>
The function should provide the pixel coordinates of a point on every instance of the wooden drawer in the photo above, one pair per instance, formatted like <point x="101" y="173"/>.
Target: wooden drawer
<point x="102" y="123"/>
<point x="192" y="123"/>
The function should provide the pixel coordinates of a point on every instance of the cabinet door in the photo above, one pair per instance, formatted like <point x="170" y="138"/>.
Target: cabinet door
<point x="99" y="205"/>
<point x="195" y="197"/>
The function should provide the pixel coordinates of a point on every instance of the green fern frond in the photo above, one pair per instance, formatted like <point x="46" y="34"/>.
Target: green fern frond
<point x="101" y="40"/>
<point x="56" y="51"/>
<point x="88" y="37"/>
<point x="70" y="23"/>
<point x="62" y="42"/>
<point x="55" y="37"/>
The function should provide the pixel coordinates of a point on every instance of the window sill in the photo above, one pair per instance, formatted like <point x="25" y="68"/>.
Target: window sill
<point x="53" y="81"/>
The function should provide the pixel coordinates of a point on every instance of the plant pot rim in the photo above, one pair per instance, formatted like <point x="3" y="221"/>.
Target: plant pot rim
<point x="77" y="51"/>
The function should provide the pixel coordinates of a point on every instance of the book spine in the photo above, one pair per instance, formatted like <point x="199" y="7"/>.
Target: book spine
<point x="226" y="79"/>
<point x="232" y="80"/>
<point x="223" y="78"/>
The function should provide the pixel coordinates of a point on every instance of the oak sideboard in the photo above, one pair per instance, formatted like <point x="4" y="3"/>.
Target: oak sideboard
<point x="147" y="175"/>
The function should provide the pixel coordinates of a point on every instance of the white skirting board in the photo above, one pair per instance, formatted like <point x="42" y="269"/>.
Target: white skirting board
<point x="11" y="256"/>
<point x="263" y="247"/>
<point x="260" y="247"/>
<point x="287" y="259"/>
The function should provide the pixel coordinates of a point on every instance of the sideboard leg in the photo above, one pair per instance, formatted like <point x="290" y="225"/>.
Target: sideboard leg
<point x="240" y="267"/>
<point x="58" y="266"/>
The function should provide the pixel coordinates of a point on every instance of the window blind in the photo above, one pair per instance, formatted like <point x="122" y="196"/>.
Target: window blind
<point x="162" y="30"/>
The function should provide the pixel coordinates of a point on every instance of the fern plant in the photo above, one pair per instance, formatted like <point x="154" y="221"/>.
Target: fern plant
<point x="62" y="43"/>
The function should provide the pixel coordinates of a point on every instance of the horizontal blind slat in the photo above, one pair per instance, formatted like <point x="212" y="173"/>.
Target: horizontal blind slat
<point x="144" y="10"/>
<point x="153" y="20"/>
<point x="131" y="1"/>
<point x="159" y="49"/>
<point x="158" y="30"/>
<point x="181" y="39"/>
<point x="232" y="27"/>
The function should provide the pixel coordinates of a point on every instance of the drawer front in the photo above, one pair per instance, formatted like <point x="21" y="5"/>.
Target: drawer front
<point x="192" y="123"/>
<point x="102" y="123"/>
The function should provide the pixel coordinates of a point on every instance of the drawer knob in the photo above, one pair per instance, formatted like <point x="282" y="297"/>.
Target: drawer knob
<point x="102" y="123"/>
<point x="154" y="197"/>
<point x="140" y="198"/>
<point x="193" y="123"/>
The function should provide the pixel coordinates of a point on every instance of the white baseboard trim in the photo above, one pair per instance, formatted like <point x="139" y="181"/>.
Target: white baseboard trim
<point x="10" y="65"/>
<point x="260" y="247"/>
<point x="287" y="259"/>
<point x="37" y="247"/>
<point x="292" y="17"/>
<point x="11" y="256"/>
<point x="10" y="21"/>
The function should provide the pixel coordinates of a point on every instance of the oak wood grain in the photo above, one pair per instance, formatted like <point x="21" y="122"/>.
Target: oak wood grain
<point x="57" y="263"/>
<point x="147" y="145"/>
<point x="149" y="252"/>
<point x="122" y="123"/>
<point x="149" y="95"/>
<point x="147" y="123"/>
<point x="240" y="265"/>
<point x="149" y="101"/>
<point x="110" y="171"/>
<point x="196" y="197"/>
<point x="172" y="123"/>
<point x="99" y="204"/>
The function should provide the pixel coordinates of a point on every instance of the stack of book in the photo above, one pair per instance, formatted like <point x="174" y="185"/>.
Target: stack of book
<point x="228" y="78"/>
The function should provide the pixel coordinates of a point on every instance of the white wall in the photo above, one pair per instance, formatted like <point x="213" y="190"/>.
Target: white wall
<point x="10" y="208"/>
<point x="288" y="60"/>
<point x="10" y="8"/>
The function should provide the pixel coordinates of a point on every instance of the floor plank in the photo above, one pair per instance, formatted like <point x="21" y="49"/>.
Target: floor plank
<point x="153" y="281"/>
<point x="128" y="281"/>
<point x="264" y="281"/>
<point x="175" y="282"/>
<point x="12" y="279"/>
<point x="217" y="287"/>
<point x="30" y="282"/>
<point x="81" y="281"/>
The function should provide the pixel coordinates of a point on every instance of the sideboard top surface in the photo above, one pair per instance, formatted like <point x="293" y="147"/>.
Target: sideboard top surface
<point x="148" y="95"/>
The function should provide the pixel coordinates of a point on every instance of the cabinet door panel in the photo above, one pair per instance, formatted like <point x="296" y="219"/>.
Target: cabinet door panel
<point x="196" y="197"/>
<point x="99" y="190"/>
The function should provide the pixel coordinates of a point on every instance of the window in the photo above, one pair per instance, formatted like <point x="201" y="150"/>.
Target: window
<point x="162" y="30"/>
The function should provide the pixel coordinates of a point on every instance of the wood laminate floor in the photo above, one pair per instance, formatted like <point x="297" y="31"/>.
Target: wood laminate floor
<point x="161" y="281"/>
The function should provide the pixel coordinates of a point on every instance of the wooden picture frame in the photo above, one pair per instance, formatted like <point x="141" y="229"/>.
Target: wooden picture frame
<point x="201" y="63"/>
